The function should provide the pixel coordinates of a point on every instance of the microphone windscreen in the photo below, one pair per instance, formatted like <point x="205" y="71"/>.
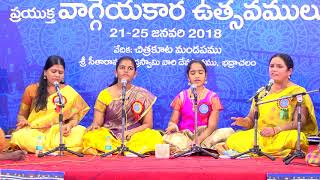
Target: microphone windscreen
<point x="56" y="84"/>
<point x="271" y="81"/>
<point x="123" y="81"/>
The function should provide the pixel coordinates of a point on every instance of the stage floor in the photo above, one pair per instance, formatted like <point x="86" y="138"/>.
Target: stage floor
<point x="195" y="167"/>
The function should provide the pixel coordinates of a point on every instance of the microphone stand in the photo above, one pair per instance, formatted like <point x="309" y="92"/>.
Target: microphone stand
<point x="256" y="94"/>
<point x="122" y="148"/>
<point x="298" y="153"/>
<point x="61" y="146"/>
<point x="255" y="149"/>
<point x="196" y="148"/>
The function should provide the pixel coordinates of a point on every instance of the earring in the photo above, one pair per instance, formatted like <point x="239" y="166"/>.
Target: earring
<point x="189" y="83"/>
<point x="206" y="82"/>
<point x="44" y="77"/>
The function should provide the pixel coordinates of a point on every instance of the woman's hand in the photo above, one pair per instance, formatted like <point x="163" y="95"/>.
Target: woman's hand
<point x="269" y="131"/>
<point x="127" y="135"/>
<point x="172" y="128"/>
<point x="240" y="121"/>
<point x="93" y="126"/>
<point x="66" y="129"/>
<point x="22" y="123"/>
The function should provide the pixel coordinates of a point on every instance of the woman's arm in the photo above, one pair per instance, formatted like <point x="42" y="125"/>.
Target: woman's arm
<point x="246" y="122"/>
<point x="271" y="131"/>
<point x="98" y="120"/>
<point x="175" y="116"/>
<point x="250" y="119"/>
<point x="294" y="123"/>
<point x="66" y="128"/>
<point x="22" y="122"/>
<point x="24" y="110"/>
<point x="147" y="123"/>
<point x="172" y="125"/>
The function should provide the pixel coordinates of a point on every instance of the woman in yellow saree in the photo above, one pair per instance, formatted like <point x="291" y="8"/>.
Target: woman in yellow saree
<point x="277" y="122"/>
<point x="38" y="116"/>
<point x="107" y="115"/>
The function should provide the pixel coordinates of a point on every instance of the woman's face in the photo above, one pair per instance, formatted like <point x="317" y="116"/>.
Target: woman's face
<point x="125" y="71"/>
<point x="278" y="70"/>
<point x="197" y="75"/>
<point x="54" y="73"/>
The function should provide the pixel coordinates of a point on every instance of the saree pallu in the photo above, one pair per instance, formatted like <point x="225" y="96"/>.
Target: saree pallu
<point x="138" y="102"/>
<point x="275" y="114"/>
<point x="45" y="123"/>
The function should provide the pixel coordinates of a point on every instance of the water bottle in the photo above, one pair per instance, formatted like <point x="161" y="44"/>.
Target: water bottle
<point x="39" y="146"/>
<point x="108" y="146"/>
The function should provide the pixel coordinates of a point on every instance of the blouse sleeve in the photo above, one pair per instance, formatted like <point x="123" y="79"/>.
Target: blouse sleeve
<point x="104" y="98"/>
<point x="216" y="103"/>
<point x="176" y="104"/>
<point x="26" y="102"/>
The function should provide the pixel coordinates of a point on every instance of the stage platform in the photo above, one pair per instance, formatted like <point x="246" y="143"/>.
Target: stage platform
<point x="194" y="167"/>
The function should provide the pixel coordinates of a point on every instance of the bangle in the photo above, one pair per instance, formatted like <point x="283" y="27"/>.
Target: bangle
<point x="279" y="128"/>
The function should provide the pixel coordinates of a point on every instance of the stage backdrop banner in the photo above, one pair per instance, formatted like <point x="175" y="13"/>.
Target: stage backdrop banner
<point x="235" y="39"/>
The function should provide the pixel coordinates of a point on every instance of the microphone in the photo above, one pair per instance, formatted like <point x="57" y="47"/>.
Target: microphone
<point x="124" y="85"/>
<point x="194" y="92"/>
<point x="268" y="87"/>
<point x="56" y="85"/>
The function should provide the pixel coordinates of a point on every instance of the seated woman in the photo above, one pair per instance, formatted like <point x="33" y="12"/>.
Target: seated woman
<point x="107" y="121"/>
<point x="16" y="155"/>
<point x="38" y="116"/>
<point x="179" y="132"/>
<point x="277" y="122"/>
